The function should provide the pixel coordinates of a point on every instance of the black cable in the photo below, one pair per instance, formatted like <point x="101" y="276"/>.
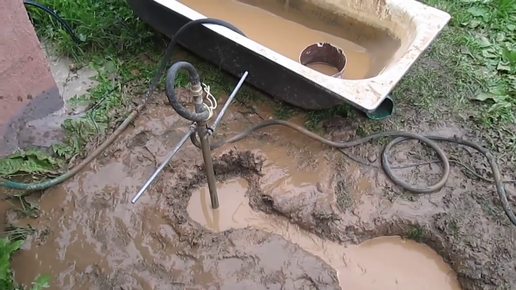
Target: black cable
<point x="173" y="42"/>
<point x="57" y="17"/>
<point x="401" y="137"/>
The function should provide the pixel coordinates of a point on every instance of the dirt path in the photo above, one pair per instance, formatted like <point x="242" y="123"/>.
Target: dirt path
<point x="89" y="236"/>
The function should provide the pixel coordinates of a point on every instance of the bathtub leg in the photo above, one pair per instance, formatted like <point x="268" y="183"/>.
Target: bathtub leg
<point x="383" y="111"/>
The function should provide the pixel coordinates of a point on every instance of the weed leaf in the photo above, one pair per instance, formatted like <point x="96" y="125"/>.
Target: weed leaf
<point x="31" y="161"/>
<point x="478" y="11"/>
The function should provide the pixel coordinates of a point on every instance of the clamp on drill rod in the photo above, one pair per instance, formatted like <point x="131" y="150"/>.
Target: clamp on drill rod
<point x="199" y="126"/>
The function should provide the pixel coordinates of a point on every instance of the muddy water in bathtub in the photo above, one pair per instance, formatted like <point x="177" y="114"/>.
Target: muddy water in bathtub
<point x="287" y="27"/>
<point x="385" y="263"/>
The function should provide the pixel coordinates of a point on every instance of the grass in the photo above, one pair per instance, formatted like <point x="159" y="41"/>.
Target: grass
<point x="7" y="248"/>
<point x="415" y="233"/>
<point x="471" y="65"/>
<point x="284" y="111"/>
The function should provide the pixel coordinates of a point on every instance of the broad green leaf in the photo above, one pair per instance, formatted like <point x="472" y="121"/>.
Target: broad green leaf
<point x="31" y="161"/>
<point x="484" y="96"/>
<point x="41" y="282"/>
<point x="497" y="98"/>
<point x="5" y="272"/>
<point x="483" y="42"/>
<point x="15" y="246"/>
<point x="503" y="66"/>
<point x="489" y="53"/>
<point x="474" y="23"/>
<point x="478" y="11"/>
<point x="500" y="106"/>
<point x="509" y="55"/>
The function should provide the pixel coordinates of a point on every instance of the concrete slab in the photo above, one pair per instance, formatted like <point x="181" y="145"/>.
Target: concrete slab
<point x="46" y="131"/>
<point x="70" y="81"/>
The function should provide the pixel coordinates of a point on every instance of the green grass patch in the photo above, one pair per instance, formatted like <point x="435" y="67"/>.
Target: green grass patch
<point x="472" y="63"/>
<point x="104" y="27"/>
<point x="314" y="118"/>
<point x="284" y="111"/>
<point x="415" y="233"/>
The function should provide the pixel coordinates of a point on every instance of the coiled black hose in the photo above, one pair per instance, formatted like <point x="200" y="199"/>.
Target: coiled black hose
<point x="170" y="91"/>
<point x="57" y="17"/>
<point x="402" y="136"/>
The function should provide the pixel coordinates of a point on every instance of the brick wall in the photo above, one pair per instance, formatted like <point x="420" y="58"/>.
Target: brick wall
<point x="27" y="88"/>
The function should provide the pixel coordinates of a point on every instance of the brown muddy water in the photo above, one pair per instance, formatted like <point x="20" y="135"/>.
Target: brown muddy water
<point x="381" y="263"/>
<point x="288" y="27"/>
<point x="89" y="235"/>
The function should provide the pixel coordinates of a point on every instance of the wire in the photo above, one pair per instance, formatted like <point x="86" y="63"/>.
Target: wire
<point x="388" y="169"/>
<point x="57" y="17"/>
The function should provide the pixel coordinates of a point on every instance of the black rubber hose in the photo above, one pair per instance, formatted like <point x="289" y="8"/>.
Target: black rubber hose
<point x="57" y="17"/>
<point x="171" y="94"/>
<point x="194" y="76"/>
<point x="402" y="136"/>
<point x="173" y="42"/>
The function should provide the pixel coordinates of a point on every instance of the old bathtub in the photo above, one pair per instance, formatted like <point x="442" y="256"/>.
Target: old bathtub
<point x="381" y="39"/>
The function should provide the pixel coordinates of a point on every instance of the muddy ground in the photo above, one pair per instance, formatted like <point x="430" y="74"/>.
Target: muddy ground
<point x="89" y="235"/>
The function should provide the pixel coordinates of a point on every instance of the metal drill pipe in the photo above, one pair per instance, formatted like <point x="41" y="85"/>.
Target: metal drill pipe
<point x="208" y="163"/>
<point x="233" y="94"/>
<point x="163" y="164"/>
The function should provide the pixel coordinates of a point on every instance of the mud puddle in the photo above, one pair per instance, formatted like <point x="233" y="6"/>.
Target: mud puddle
<point x="274" y="25"/>
<point x="89" y="235"/>
<point x="382" y="263"/>
<point x="88" y="231"/>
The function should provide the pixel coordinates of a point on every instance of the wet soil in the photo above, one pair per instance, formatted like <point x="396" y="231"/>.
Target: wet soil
<point x="89" y="235"/>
